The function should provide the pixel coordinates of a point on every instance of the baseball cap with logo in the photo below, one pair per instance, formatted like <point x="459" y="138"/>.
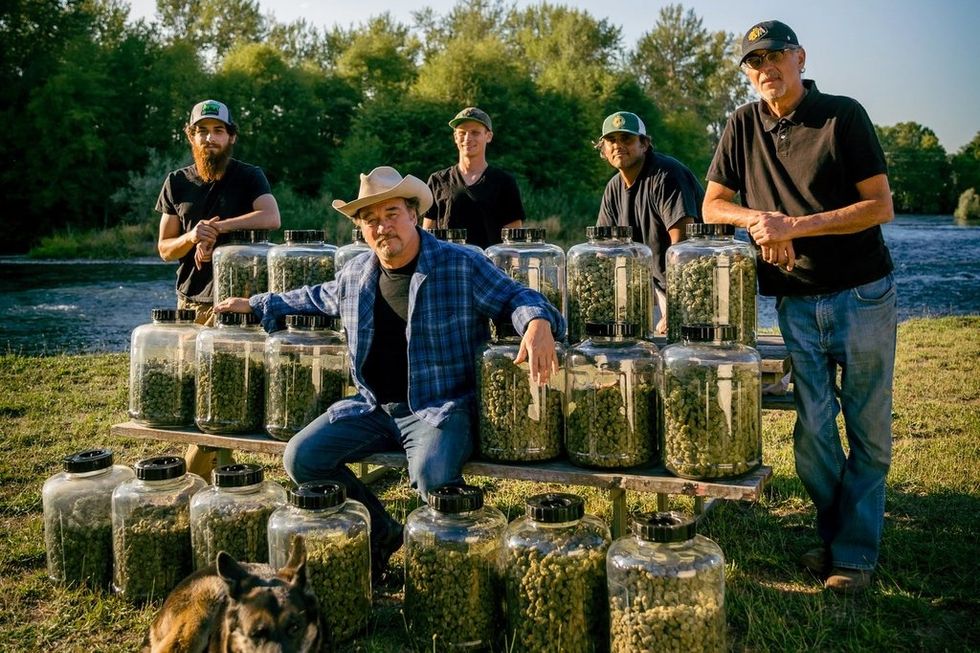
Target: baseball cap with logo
<point x="768" y="35"/>
<point x="472" y="113"/>
<point x="210" y="109"/>
<point x="623" y="121"/>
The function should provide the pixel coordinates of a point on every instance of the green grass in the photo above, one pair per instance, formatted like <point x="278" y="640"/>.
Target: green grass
<point x="925" y="597"/>
<point x="119" y="242"/>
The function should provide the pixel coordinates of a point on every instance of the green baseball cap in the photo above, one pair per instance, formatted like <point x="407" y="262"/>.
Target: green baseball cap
<point x="623" y="121"/>
<point x="472" y="113"/>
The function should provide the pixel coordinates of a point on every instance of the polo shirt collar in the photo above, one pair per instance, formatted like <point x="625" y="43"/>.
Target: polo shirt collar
<point x="769" y="122"/>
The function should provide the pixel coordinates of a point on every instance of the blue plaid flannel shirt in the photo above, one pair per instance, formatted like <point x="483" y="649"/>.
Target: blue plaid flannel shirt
<point x="452" y="293"/>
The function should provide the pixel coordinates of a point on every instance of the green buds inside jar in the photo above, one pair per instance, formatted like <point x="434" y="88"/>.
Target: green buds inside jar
<point x="303" y="260"/>
<point x="240" y="267"/>
<point x="162" y="369"/>
<point x="231" y="375"/>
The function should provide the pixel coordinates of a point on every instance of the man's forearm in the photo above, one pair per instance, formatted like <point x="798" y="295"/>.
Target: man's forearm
<point x="262" y="219"/>
<point x="171" y="249"/>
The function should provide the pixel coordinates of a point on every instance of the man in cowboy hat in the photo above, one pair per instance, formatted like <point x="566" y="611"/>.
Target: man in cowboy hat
<point x="415" y="311"/>
<point x="655" y="194"/>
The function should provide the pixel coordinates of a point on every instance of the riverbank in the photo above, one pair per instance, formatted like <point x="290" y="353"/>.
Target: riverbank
<point x="924" y="597"/>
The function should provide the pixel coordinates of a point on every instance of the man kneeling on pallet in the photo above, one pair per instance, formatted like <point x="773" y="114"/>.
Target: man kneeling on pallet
<point x="415" y="311"/>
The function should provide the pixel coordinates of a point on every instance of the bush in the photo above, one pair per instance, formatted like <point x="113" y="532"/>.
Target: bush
<point x="969" y="206"/>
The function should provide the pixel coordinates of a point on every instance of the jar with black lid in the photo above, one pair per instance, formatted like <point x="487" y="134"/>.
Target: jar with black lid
<point x="305" y="259"/>
<point x="231" y="375"/>
<point x="240" y="266"/>
<point x="162" y="369"/>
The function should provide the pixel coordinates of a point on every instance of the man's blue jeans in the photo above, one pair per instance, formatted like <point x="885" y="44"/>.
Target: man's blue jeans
<point x="435" y="456"/>
<point x="854" y="329"/>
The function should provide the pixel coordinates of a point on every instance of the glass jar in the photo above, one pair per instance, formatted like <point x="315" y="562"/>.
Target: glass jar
<point x="306" y="371"/>
<point x="450" y="552"/>
<point x="151" y="528"/>
<point x="353" y="249"/>
<point x="711" y="279"/>
<point x="527" y="259"/>
<point x="520" y="421"/>
<point x="553" y="569"/>
<point x="77" y="504"/>
<point x="456" y="236"/>
<point x="231" y="375"/>
<point x="335" y="531"/>
<point x="666" y="588"/>
<point x="609" y="280"/>
<point x="712" y="394"/>
<point x="161" y="369"/>
<point x="233" y="515"/>
<point x="303" y="260"/>
<point x="613" y="412"/>
<point x="240" y="268"/>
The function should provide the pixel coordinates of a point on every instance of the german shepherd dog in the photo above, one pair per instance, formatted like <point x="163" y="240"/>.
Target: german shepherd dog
<point x="230" y="607"/>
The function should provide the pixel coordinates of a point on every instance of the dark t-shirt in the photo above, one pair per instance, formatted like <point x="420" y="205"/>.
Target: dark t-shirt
<point x="386" y="365"/>
<point x="664" y="193"/>
<point x="805" y="163"/>
<point x="482" y="209"/>
<point x="192" y="199"/>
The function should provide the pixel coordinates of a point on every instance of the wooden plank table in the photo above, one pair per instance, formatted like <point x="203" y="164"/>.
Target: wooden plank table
<point x="643" y="479"/>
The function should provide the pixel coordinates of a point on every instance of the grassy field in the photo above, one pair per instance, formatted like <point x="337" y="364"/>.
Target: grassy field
<point x="925" y="597"/>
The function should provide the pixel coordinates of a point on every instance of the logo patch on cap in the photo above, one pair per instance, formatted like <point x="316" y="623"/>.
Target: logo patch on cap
<point x="756" y="33"/>
<point x="211" y="109"/>
<point x="618" y="121"/>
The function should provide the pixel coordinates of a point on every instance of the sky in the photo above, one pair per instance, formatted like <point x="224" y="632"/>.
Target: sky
<point x="904" y="60"/>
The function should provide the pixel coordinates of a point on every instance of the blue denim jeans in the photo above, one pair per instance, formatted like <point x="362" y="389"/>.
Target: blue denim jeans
<point x="855" y="330"/>
<point x="435" y="456"/>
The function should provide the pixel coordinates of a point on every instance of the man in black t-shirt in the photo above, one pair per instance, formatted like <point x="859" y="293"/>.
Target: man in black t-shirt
<point x="656" y="195"/>
<point x="198" y="204"/>
<point x="472" y="194"/>
<point x="814" y="192"/>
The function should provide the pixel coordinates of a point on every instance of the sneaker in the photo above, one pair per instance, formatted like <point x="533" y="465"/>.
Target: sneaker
<point x="844" y="580"/>
<point x="817" y="560"/>
<point x="382" y="551"/>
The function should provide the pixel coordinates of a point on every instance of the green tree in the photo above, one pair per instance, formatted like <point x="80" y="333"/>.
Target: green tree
<point x="213" y="26"/>
<point x="966" y="167"/>
<point x="918" y="170"/>
<point x="379" y="57"/>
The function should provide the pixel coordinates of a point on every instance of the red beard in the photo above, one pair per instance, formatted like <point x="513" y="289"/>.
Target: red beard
<point x="211" y="163"/>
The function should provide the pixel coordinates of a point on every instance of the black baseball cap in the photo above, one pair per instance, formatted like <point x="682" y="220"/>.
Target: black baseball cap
<point x="768" y="35"/>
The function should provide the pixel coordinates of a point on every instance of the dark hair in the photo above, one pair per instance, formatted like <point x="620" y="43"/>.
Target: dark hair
<point x="411" y="203"/>
<point x="230" y="127"/>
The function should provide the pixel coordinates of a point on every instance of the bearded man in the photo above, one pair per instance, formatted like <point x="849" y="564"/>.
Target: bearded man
<point x="198" y="204"/>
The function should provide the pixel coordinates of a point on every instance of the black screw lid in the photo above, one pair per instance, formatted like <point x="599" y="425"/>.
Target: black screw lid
<point x="236" y="319"/>
<point x="536" y="233"/>
<point x="315" y="495"/>
<point x="308" y="321"/>
<point x="186" y="315"/>
<point x="238" y="475"/>
<point x="708" y="332"/>
<point x="702" y="229"/>
<point x="304" y="235"/>
<point x="513" y="233"/>
<point x="456" y="498"/>
<point x="89" y="460"/>
<point x="160" y="468"/>
<point x="505" y="329"/>
<point x="248" y="236"/>
<point x="601" y="233"/>
<point x="610" y="329"/>
<point x="664" y="527"/>
<point x="163" y="314"/>
<point x="555" y="507"/>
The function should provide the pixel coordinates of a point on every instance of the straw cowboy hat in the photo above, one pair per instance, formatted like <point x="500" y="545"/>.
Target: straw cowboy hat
<point x="382" y="183"/>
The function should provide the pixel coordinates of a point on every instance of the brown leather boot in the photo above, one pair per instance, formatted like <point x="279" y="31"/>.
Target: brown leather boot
<point x="845" y="581"/>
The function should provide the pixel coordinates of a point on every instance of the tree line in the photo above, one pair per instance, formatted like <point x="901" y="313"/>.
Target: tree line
<point x="93" y="105"/>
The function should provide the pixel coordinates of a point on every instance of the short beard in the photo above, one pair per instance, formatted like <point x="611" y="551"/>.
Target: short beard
<point x="211" y="165"/>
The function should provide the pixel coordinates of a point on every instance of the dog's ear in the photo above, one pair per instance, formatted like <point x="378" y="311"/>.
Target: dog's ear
<point x="230" y="571"/>
<point x="295" y="570"/>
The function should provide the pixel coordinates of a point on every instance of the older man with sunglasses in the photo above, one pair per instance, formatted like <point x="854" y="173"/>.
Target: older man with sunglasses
<point x="814" y="193"/>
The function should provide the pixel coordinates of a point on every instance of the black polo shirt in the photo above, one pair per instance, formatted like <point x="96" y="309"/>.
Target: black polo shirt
<point x="493" y="201"/>
<point x="664" y="193"/>
<point x="807" y="162"/>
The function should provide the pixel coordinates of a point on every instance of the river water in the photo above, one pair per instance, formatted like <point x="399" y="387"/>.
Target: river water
<point x="49" y="307"/>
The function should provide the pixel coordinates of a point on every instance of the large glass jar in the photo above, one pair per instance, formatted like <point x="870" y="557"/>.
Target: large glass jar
<point x="303" y="260"/>
<point x="151" y="528"/>
<point x="711" y="279"/>
<point x="77" y="504"/>
<point x="306" y="371"/>
<point x="240" y="267"/>
<point x="231" y="375"/>
<point x="526" y="258"/>
<point x="161" y="369"/>
<point x="553" y="566"/>
<point x="456" y="236"/>
<point x="233" y="515"/>
<point x="666" y="588"/>
<point x="353" y="249"/>
<point x="450" y="554"/>
<point x="712" y="394"/>
<point x="335" y="531"/>
<point x="613" y="411"/>
<point x="609" y="281"/>
<point x="520" y="421"/>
